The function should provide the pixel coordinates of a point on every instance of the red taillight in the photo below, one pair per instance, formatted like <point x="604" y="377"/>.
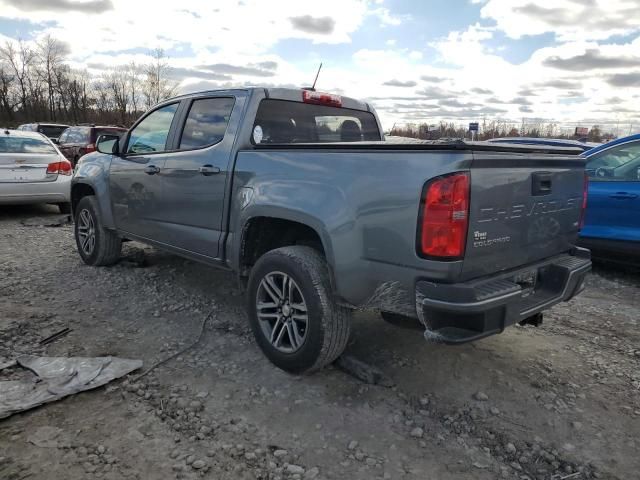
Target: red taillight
<point x="90" y="148"/>
<point x="445" y="217"/>
<point x="319" y="98"/>
<point x="61" y="168"/>
<point x="585" y="191"/>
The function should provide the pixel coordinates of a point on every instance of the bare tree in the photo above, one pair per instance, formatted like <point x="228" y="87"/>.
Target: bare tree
<point x="20" y="60"/>
<point x="134" y="87"/>
<point x="157" y="85"/>
<point x="51" y="54"/>
<point x="8" y="98"/>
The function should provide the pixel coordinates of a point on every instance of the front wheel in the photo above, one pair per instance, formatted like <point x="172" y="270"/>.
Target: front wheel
<point x="294" y="318"/>
<point x="97" y="246"/>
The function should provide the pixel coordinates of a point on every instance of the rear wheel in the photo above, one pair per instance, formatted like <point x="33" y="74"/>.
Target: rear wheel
<point x="64" y="208"/>
<point x="294" y="318"/>
<point x="97" y="246"/>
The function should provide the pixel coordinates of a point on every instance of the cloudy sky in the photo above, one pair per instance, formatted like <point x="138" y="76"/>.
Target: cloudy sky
<point x="572" y="61"/>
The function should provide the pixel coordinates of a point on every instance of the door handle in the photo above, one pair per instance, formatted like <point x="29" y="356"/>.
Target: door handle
<point x="623" y="196"/>
<point x="151" y="170"/>
<point x="207" y="170"/>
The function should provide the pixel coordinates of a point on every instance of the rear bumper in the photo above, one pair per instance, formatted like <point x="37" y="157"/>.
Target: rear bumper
<point x="459" y="313"/>
<point x="58" y="191"/>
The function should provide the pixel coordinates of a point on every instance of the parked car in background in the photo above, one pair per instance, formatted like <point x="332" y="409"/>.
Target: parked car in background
<point x="51" y="130"/>
<point x="79" y="140"/>
<point x="555" y="142"/>
<point x="612" y="222"/>
<point x="32" y="170"/>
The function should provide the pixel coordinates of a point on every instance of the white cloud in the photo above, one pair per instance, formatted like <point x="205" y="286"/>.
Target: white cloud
<point x="567" y="19"/>
<point x="466" y="79"/>
<point x="249" y="27"/>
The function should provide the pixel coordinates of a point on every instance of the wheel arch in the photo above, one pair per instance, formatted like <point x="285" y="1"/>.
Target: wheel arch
<point x="265" y="230"/>
<point x="81" y="189"/>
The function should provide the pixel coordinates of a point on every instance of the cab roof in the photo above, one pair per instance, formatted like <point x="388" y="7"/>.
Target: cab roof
<point x="289" y="94"/>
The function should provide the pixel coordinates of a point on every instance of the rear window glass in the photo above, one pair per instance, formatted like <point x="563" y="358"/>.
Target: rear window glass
<point x="281" y="121"/>
<point x="206" y="123"/>
<point x="25" y="145"/>
<point x="51" y="131"/>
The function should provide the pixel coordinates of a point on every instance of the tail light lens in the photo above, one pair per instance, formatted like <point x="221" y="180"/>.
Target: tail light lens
<point x="90" y="148"/>
<point x="61" y="168"/>
<point x="444" y="217"/>
<point x="585" y="191"/>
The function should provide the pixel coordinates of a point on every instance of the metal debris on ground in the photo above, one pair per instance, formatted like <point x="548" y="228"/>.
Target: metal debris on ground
<point x="55" y="336"/>
<point x="58" y="377"/>
<point x="363" y="371"/>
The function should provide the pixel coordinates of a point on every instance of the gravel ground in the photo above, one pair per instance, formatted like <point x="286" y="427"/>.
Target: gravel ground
<point x="556" y="402"/>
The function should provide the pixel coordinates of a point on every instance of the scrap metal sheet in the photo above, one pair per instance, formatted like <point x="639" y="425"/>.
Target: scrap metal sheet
<point x="58" y="377"/>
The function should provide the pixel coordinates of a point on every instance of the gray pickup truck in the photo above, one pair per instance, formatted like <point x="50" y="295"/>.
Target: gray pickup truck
<point x="298" y="193"/>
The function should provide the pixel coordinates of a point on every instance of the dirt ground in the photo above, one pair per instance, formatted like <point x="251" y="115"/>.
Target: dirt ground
<point x="556" y="402"/>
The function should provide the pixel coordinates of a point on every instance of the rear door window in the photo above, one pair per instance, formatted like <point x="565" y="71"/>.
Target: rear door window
<point x="206" y="122"/>
<point x="282" y="121"/>
<point x="150" y="135"/>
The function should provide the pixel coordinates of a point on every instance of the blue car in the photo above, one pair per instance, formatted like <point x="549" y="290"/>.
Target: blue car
<point x="612" y="222"/>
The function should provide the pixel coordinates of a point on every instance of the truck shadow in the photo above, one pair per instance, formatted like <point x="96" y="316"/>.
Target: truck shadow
<point x="13" y="212"/>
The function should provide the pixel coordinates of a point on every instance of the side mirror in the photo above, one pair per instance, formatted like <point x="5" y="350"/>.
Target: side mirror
<point x="109" y="144"/>
<point x="56" y="141"/>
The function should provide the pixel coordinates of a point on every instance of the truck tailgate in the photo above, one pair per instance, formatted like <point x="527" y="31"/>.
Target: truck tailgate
<point x="524" y="208"/>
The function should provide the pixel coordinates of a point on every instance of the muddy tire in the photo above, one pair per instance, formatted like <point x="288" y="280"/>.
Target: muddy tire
<point x="294" y="318"/>
<point x="97" y="246"/>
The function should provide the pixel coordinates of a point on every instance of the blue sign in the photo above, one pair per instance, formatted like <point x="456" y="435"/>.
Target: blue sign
<point x="474" y="126"/>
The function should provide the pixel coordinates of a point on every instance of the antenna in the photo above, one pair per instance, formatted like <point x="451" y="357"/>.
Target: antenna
<point x="313" y="87"/>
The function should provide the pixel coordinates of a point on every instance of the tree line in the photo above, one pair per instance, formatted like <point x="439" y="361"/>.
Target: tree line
<point x="497" y="129"/>
<point x="38" y="85"/>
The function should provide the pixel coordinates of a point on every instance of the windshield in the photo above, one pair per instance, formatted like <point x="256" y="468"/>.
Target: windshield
<point x="25" y="145"/>
<point x="52" y="131"/>
<point x="281" y="121"/>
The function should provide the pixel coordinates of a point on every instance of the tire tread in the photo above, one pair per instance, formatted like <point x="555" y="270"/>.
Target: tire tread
<point x="336" y="320"/>
<point x="108" y="244"/>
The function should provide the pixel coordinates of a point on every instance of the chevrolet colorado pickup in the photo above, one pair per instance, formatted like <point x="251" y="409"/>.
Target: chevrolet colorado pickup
<point x="297" y="192"/>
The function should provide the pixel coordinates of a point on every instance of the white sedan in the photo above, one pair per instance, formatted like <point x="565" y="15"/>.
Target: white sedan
<point x="32" y="170"/>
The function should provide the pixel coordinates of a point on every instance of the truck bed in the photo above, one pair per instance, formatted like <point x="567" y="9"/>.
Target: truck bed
<point x="413" y="145"/>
